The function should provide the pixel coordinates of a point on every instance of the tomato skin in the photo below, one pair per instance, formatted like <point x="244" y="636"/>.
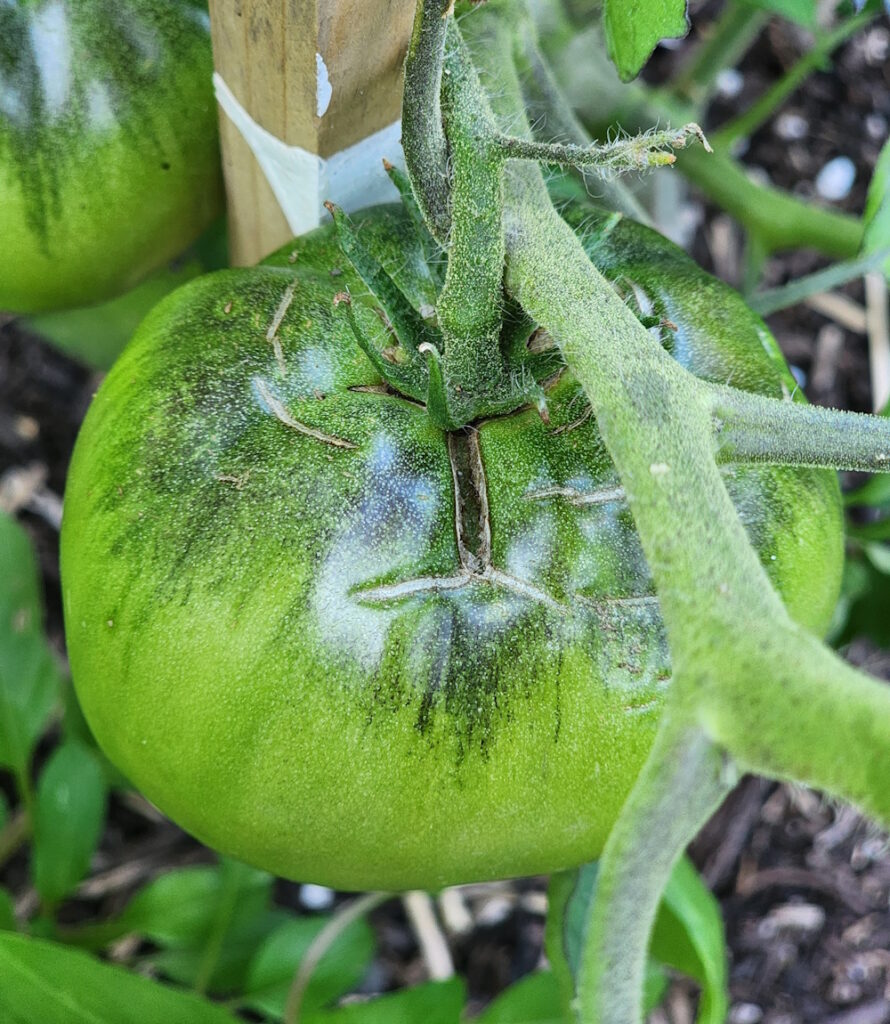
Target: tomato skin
<point x="109" y="161"/>
<point x="271" y="633"/>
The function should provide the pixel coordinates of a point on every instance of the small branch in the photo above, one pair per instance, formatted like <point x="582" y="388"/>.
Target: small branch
<point x="541" y="88"/>
<point x="14" y="834"/>
<point x="682" y="783"/>
<point x="320" y="945"/>
<point x="423" y="137"/>
<point x="779" y="220"/>
<point x="650" y="149"/>
<point x="759" y="113"/>
<point x="455" y="913"/>
<point x="790" y="294"/>
<point x="433" y="945"/>
<point x="841" y="309"/>
<point x="751" y="428"/>
<point x="877" y="319"/>
<point x="732" y="36"/>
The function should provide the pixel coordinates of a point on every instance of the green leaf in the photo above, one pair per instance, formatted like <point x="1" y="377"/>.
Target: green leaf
<point x="633" y="30"/>
<point x="68" y="820"/>
<point x="52" y="984"/>
<point x="208" y="921"/>
<point x="178" y="908"/>
<point x="238" y="921"/>
<point x="876" y="218"/>
<point x="29" y="676"/>
<point x="8" y="922"/>
<point x="272" y="970"/>
<point x="801" y="11"/>
<point x="534" y="999"/>
<point x="688" y="936"/>
<point x="75" y="727"/>
<point x="879" y="556"/>
<point x="4" y="811"/>
<point x="437" y="1002"/>
<point x="862" y="609"/>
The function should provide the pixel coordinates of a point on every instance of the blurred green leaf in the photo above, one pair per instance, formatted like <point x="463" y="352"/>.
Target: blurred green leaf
<point x="45" y="983"/>
<point x="226" y="977"/>
<point x="29" y="676"/>
<point x="177" y="909"/>
<point x="633" y="30"/>
<point x="4" y="811"/>
<point x="96" y="335"/>
<point x="534" y="999"/>
<point x="437" y="1002"/>
<point x="877" y="209"/>
<point x="187" y="910"/>
<point x="75" y="727"/>
<point x="343" y="966"/>
<point x="7" y="911"/>
<point x="879" y="556"/>
<point x="689" y="937"/>
<point x="801" y="11"/>
<point x="68" y="820"/>
<point x="866" y="597"/>
<point x="239" y="920"/>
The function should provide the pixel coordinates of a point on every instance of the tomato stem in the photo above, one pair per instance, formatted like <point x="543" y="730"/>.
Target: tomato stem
<point x="751" y="428"/>
<point x="423" y="135"/>
<point x="748" y="683"/>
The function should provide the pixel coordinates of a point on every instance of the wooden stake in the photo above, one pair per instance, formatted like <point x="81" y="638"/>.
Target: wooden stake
<point x="319" y="74"/>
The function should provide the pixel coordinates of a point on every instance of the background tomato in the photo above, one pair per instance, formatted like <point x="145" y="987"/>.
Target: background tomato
<point x="108" y="145"/>
<point x="341" y="644"/>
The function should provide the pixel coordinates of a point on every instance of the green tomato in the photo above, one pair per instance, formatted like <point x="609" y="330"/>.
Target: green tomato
<point x="109" y="163"/>
<point x="338" y="643"/>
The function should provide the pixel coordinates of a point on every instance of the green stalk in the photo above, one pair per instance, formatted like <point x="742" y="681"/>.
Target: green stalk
<point x="469" y="306"/>
<point x="775" y="218"/>
<point x="682" y="783"/>
<point x="730" y="39"/>
<point x="751" y="428"/>
<point x="423" y="139"/>
<point x="760" y="687"/>
<point x="760" y="112"/>
<point x="747" y="681"/>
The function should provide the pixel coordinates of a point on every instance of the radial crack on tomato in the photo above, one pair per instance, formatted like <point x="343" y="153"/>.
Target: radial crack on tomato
<point x="281" y="413"/>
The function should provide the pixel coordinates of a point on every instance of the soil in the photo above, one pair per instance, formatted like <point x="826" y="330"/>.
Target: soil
<point x="804" y="885"/>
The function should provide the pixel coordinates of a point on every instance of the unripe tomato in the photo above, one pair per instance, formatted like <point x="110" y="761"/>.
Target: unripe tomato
<point x="108" y="145"/>
<point x="334" y="641"/>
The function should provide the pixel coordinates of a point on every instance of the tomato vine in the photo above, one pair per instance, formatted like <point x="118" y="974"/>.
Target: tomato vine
<point x="751" y="690"/>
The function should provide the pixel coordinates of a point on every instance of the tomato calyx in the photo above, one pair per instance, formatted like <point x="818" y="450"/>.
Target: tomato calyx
<point x="418" y="365"/>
